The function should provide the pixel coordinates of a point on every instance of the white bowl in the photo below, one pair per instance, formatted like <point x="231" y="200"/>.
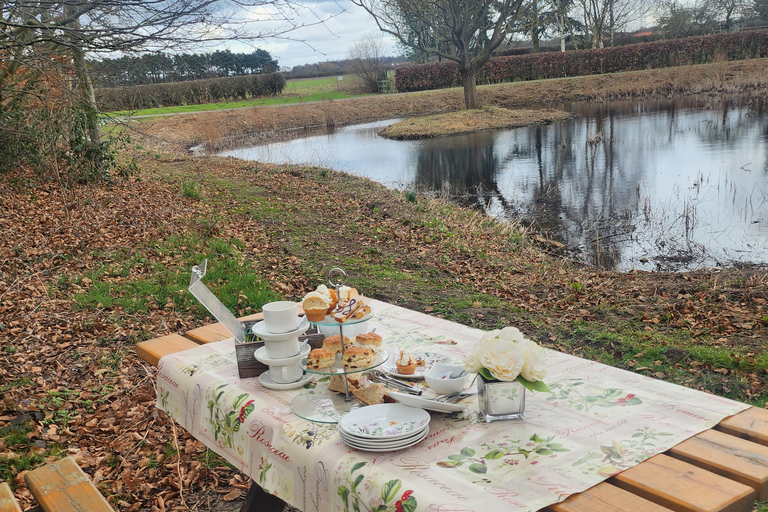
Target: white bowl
<point x="445" y="386"/>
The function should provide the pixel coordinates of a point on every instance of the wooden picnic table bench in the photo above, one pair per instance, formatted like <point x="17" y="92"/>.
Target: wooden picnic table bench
<point x="724" y="469"/>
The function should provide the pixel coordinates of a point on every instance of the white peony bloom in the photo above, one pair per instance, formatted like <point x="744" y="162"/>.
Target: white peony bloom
<point x="504" y="360"/>
<point x="512" y="334"/>
<point x="472" y="360"/>
<point x="534" y="366"/>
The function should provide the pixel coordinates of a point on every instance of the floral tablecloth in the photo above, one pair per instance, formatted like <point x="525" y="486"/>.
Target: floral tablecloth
<point x="597" y="421"/>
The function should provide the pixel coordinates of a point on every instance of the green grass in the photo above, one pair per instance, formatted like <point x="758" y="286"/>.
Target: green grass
<point x="137" y="284"/>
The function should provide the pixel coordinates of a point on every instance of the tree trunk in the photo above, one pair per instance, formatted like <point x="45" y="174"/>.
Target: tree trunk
<point x="89" y="96"/>
<point x="561" y="31"/>
<point x="468" y="80"/>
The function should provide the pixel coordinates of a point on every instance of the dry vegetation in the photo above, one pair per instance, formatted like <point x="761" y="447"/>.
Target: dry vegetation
<point x="747" y="79"/>
<point x="469" y="121"/>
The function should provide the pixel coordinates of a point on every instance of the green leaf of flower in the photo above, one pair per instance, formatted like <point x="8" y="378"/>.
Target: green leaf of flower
<point x="544" y="451"/>
<point x="494" y="454"/>
<point x="358" y="466"/>
<point x="389" y="490"/>
<point x="239" y="400"/>
<point x="468" y="452"/>
<point x="535" y="438"/>
<point x="456" y="456"/>
<point x="487" y="374"/>
<point x="343" y="493"/>
<point x="478" y="468"/>
<point x="409" y="505"/>
<point x="534" y="386"/>
<point x="450" y="464"/>
<point x="612" y="392"/>
<point x="357" y="482"/>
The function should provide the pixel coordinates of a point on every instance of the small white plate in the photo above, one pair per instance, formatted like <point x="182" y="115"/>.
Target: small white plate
<point x="261" y="355"/>
<point x="357" y="446"/>
<point x="260" y="330"/>
<point x="429" y="358"/>
<point x="390" y="421"/>
<point x="425" y="403"/>
<point x="267" y="382"/>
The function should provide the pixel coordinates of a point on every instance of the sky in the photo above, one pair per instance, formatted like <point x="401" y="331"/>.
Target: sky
<point x="345" y="24"/>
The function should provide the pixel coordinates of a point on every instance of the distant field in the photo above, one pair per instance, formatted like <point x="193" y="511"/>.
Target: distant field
<point x="296" y="91"/>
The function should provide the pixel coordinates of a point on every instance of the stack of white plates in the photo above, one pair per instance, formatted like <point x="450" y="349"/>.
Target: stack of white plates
<point x="384" y="427"/>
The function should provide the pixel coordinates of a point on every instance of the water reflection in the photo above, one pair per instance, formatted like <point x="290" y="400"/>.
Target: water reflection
<point x="655" y="185"/>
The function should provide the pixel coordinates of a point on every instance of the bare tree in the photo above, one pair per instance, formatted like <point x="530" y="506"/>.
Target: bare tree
<point x="464" y="31"/>
<point x="32" y="30"/>
<point x="366" y="61"/>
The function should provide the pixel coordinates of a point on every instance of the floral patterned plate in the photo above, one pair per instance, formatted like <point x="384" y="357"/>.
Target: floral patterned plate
<point x="428" y="358"/>
<point x="384" y="421"/>
<point x="382" y="442"/>
<point x="411" y="441"/>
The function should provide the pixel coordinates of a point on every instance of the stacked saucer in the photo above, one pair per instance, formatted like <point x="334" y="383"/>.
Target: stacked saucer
<point x="384" y="427"/>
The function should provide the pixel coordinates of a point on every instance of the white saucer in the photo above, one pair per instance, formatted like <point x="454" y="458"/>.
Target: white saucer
<point x="260" y="330"/>
<point x="267" y="382"/>
<point x="261" y="355"/>
<point x="429" y="359"/>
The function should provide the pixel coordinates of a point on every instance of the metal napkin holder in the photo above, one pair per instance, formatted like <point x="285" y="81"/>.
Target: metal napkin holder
<point x="245" y="342"/>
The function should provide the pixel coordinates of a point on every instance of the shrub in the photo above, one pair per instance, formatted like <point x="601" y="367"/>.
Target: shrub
<point x="657" y="54"/>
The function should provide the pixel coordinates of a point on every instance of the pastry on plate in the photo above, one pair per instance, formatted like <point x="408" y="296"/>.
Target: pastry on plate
<point x="336" y="383"/>
<point x="370" y="395"/>
<point x="369" y="339"/>
<point x="358" y="357"/>
<point x="405" y="363"/>
<point x="334" y="343"/>
<point x="320" y="358"/>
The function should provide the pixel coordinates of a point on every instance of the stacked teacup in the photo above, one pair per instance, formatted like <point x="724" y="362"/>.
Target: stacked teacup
<point x="280" y="331"/>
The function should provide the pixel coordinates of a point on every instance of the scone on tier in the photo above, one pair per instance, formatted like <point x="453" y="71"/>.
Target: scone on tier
<point x="406" y="364"/>
<point x="336" y="383"/>
<point x="370" y="395"/>
<point x="370" y="339"/>
<point x="320" y="358"/>
<point x="358" y="357"/>
<point x="315" y="306"/>
<point x="334" y="343"/>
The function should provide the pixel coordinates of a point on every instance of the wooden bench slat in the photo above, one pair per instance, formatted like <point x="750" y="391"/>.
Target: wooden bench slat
<point x="63" y="487"/>
<point x="152" y="350"/>
<point x="605" y="497"/>
<point x="684" y="487"/>
<point x="212" y="333"/>
<point x="729" y="456"/>
<point x="751" y="424"/>
<point x="8" y="501"/>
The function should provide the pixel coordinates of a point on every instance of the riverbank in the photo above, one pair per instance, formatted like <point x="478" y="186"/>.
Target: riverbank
<point x="470" y="121"/>
<point x="219" y="130"/>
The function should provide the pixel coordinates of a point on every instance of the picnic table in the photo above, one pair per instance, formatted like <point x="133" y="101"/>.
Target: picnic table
<point x="639" y="444"/>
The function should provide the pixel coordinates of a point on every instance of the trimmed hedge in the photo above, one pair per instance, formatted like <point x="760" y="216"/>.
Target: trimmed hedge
<point x="195" y="92"/>
<point x="657" y="54"/>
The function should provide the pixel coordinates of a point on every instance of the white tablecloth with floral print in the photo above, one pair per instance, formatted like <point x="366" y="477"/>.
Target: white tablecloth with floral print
<point x="597" y="421"/>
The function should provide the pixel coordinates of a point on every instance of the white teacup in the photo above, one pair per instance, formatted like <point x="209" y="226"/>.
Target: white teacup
<point x="285" y="374"/>
<point x="281" y="316"/>
<point x="283" y="348"/>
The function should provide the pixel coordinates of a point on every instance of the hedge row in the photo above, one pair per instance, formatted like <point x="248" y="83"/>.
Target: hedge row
<point x="657" y="54"/>
<point x="196" y="92"/>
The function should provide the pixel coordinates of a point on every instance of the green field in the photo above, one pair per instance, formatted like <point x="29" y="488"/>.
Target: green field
<point x="296" y="91"/>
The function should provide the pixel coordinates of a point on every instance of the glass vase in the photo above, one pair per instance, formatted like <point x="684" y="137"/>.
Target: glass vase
<point x="500" y="400"/>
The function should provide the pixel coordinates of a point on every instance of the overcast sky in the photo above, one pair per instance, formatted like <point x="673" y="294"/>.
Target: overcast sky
<point x="330" y="40"/>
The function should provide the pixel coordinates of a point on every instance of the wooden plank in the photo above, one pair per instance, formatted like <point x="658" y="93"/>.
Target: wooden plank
<point x="684" y="487"/>
<point x="152" y="350"/>
<point x="212" y="333"/>
<point x="63" y="487"/>
<point x="729" y="456"/>
<point x="605" y="497"/>
<point x="751" y="424"/>
<point x="8" y="502"/>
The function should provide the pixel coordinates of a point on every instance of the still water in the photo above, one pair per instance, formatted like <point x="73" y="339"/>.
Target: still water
<point x="671" y="185"/>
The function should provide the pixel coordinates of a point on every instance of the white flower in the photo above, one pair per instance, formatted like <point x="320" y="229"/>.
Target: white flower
<point x="472" y="360"/>
<point x="534" y="365"/>
<point x="512" y="334"/>
<point x="504" y="360"/>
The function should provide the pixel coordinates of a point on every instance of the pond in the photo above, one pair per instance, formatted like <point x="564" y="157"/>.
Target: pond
<point x="662" y="185"/>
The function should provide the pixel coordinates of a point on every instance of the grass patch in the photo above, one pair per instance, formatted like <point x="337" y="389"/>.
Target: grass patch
<point x="469" y="121"/>
<point x="139" y="283"/>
